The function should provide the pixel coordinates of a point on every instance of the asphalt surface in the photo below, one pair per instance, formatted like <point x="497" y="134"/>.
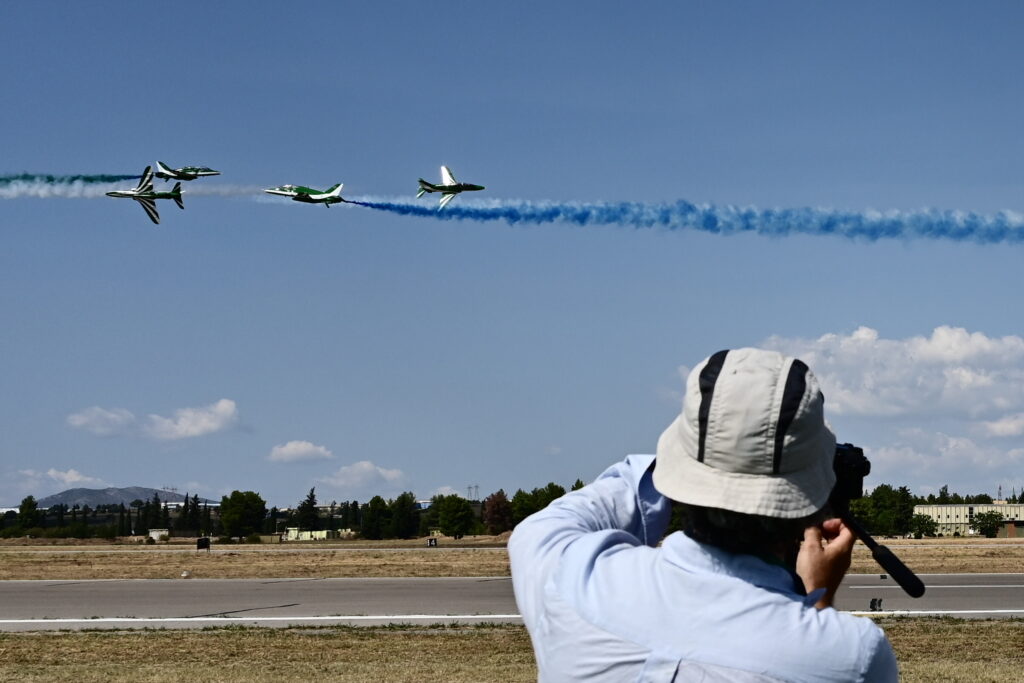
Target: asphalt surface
<point x="197" y="603"/>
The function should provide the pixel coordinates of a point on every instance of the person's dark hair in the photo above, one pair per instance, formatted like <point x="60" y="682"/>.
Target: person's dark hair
<point x="735" y="532"/>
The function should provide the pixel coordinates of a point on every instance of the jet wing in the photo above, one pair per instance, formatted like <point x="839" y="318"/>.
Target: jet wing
<point x="447" y="197"/>
<point x="146" y="182"/>
<point x="446" y="177"/>
<point x="150" y="206"/>
<point x="284" y="191"/>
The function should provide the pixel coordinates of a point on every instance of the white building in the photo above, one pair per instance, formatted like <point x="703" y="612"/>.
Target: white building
<point x="954" y="520"/>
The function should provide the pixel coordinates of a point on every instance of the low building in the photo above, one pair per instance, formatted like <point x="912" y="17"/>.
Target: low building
<point x="955" y="520"/>
<point x="293" y="533"/>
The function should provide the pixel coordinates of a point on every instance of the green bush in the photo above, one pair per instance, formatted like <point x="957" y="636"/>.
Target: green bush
<point x="253" y="538"/>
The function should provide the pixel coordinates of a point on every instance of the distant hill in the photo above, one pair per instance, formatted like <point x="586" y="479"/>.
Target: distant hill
<point x="111" y="496"/>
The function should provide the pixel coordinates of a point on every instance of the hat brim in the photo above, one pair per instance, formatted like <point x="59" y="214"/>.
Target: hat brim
<point x="679" y="476"/>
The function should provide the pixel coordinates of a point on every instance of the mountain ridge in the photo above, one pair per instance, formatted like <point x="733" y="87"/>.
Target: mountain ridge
<point x="112" y="496"/>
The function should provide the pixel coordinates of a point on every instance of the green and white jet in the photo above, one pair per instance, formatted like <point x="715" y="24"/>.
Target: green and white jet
<point x="184" y="173"/>
<point x="309" y="195"/>
<point x="448" y="188"/>
<point x="145" y="195"/>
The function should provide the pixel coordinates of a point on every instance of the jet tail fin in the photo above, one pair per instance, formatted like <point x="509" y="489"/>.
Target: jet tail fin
<point x="176" y="192"/>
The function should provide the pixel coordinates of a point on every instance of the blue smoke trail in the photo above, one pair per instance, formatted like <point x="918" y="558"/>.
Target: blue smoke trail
<point x="1002" y="227"/>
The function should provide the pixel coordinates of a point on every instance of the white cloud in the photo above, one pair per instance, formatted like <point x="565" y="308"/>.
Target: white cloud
<point x="73" y="478"/>
<point x="15" y="486"/>
<point x="937" y="458"/>
<point x="1011" y="425"/>
<point x="187" y="422"/>
<point x="444" y="491"/>
<point x="295" y="451"/>
<point x="952" y="372"/>
<point x="103" y="422"/>
<point x="928" y="409"/>
<point x="190" y="422"/>
<point x="365" y="478"/>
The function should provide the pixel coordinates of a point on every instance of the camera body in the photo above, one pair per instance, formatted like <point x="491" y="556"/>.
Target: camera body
<point x="850" y="466"/>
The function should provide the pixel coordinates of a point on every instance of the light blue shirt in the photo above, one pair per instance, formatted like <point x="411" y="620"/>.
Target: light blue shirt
<point x="603" y="603"/>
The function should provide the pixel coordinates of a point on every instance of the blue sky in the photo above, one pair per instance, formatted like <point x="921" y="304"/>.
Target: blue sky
<point x="255" y="343"/>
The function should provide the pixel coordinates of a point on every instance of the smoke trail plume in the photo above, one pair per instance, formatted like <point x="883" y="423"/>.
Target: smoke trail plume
<point x="1005" y="226"/>
<point x="91" y="186"/>
<point x="44" y="185"/>
<point x="6" y="180"/>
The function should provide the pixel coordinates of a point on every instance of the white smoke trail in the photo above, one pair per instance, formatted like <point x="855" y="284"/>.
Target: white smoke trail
<point x="45" y="190"/>
<point x="78" y="189"/>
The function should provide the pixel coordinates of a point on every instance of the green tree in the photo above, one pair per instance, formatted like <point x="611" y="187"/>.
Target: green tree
<point x="154" y="518"/>
<point x="523" y="505"/>
<point x="181" y="523"/>
<point x="544" y="496"/>
<point x="242" y="513"/>
<point x="863" y="510"/>
<point x="577" y="485"/>
<point x="497" y="513"/>
<point x="893" y="510"/>
<point x="429" y="517"/>
<point x="207" y="521"/>
<point x="123" y="526"/>
<point x="355" y="515"/>
<point x="28" y="513"/>
<point x="307" y="516"/>
<point x="455" y="516"/>
<point x="195" y="514"/>
<point x="987" y="523"/>
<point x="404" y="522"/>
<point x="375" y="519"/>
<point x="923" y="525"/>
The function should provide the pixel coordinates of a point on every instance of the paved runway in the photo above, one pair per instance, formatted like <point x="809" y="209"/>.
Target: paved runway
<point x="195" y="603"/>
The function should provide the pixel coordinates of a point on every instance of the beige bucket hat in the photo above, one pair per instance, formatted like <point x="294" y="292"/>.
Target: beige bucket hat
<point x="751" y="438"/>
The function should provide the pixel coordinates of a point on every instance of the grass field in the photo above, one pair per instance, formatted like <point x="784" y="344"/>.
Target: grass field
<point x="928" y="650"/>
<point x="481" y="556"/>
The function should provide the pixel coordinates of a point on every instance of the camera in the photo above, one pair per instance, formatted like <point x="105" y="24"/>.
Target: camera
<point x="850" y="466"/>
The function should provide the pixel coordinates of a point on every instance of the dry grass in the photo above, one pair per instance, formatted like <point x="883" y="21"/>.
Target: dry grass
<point x="956" y="650"/>
<point x="490" y="653"/>
<point x="948" y="556"/>
<point x="246" y="564"/>
<point x="953" y="650"/>
<point x="480" y="556"/>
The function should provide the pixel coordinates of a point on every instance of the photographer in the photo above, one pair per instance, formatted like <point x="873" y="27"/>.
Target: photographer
<point x="744" y="593"/>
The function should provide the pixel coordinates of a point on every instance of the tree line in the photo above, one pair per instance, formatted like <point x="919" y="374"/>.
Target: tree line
<point x="886" y="511"/>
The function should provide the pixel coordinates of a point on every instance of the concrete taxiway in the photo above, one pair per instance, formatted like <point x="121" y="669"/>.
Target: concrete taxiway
<point x="196" y="603"/>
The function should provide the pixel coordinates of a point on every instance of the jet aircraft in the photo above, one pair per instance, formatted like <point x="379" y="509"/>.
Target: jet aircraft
<point x="309" y="195"/>
<point x="448" y="188"/>
<point x="184" y="173"/>
<point x="145" y="195"/>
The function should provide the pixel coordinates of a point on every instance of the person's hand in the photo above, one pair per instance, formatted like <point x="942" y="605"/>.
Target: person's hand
<point x="824" y="558"/>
